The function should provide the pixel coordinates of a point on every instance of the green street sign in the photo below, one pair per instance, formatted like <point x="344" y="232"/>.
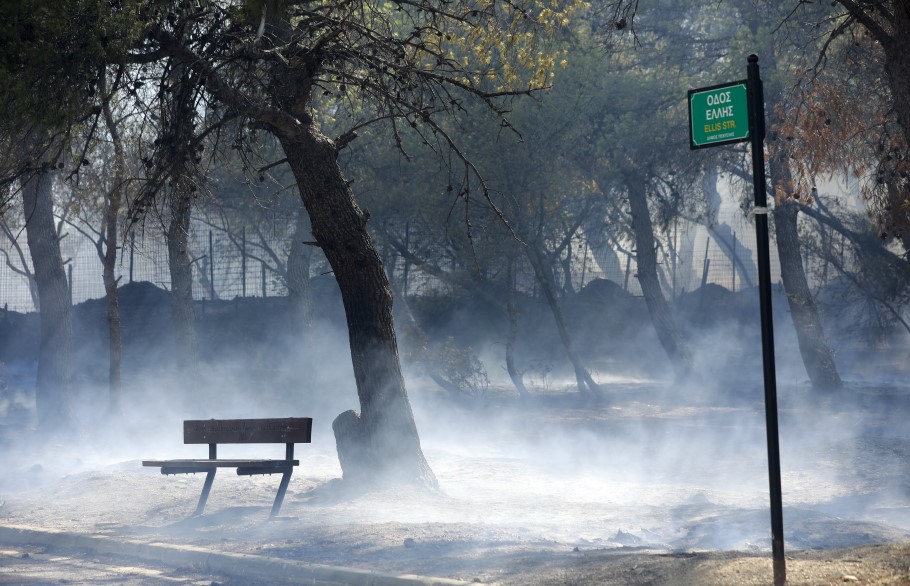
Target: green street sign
<point x="718" y="115"/>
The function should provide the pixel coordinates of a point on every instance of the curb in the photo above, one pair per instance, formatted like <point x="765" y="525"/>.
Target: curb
<point x="234" y="564"/>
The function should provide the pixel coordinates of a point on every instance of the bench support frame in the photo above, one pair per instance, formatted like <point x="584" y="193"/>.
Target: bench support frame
<point x="209" y="479"/>
<point x="244" y="467"/>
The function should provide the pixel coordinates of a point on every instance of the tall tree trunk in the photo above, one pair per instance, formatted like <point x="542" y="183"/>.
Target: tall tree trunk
<point x="512" y="312"/>
<point x="177" y="136"/>
<point x="381" y="442"/>
<point x="109" y="259"/>
<point x="814" y="350"/>
<point x="179" y="262"/>
<point x="55" y="357"/>
<point x="816" y="355"/>
<point x="544" y="273"/>
<point x="668" y="332"/>
<point x="566" y="265"/>
<point x="897" y="64"/>
<point x="299" y="259"/>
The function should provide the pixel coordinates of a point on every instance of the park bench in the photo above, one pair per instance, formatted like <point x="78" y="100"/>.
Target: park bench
<point x="286" y="431"/>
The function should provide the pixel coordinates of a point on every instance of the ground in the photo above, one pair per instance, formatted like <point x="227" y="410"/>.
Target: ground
<point x="658" y="485"/>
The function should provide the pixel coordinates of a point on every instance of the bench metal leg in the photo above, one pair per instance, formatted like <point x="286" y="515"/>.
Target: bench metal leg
<point x="209" y="478"/>
<point x="279" y="498"/>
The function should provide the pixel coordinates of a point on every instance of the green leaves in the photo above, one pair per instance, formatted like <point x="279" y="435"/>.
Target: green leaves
<point x="51" y="54"/>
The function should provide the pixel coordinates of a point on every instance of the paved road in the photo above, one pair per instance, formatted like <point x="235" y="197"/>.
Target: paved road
<point x="31" y="556"/>
<point x="34" y="566"/>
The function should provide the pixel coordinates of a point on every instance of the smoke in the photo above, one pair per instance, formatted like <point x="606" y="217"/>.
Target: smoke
<point x="658" y="463"/>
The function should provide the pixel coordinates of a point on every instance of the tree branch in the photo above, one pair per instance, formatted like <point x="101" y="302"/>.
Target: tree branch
<point x="273" y="117"/>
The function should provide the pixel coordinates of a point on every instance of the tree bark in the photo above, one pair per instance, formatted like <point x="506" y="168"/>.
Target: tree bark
<point x="177" y="134"/>
<point x="669" y="334"/>
<point x="182" y="310"/>
<point x="816" y="355"/>
<point x="380" y="444"/>
<point x="109" y="260"/>
<point x="55" y="357"/>
<point x="544" y="274"/>
<point x="897" y="64"/>
<point x="299" y="259"/>
<point x="512" y="312"/>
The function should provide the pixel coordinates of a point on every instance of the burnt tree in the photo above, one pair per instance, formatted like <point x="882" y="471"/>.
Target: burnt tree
<point x="107" y="251"/>
<point x="813" y="347"/>
<point x="668" y="332"/>
<point x="275" y="63"/>
<point x="298" y="273"/>
<point x="55" y="357"/>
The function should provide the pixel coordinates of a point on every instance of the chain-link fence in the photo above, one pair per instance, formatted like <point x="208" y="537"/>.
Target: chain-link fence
<point x="228" y="265"/>
<point x="224" y="266"/>
<point x="689" y="257"/>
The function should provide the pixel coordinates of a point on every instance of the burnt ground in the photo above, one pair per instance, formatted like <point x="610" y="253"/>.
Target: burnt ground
<point x="645" y="490"/>
<point x="658" y="483"/>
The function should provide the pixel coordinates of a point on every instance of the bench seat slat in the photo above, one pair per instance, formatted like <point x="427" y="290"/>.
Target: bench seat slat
<point x="220" y="463"/>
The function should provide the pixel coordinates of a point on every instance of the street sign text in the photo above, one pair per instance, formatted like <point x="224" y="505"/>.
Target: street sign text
<point x="718" y="115"/>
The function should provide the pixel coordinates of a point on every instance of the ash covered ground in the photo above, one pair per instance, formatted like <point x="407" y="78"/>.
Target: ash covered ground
<point x="534" y="493"/>
<point x="660" y="483"/>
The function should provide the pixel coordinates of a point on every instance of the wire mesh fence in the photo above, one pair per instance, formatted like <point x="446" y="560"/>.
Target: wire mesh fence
<point x="222" y="268"/>
<point x="227" y="265"/>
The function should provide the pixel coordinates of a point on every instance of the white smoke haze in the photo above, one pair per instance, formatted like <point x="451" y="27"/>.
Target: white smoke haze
<point x="658" y="465"/>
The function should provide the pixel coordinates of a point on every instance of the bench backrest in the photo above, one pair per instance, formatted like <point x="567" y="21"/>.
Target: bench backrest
<point x="288" y="430"/>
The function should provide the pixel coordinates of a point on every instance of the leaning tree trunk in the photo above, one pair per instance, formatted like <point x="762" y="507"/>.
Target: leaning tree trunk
<point x="380" y="444"/>
<point x="179" y="262"/>
<point x="721" y="233"/>
<point x="583" y="379"/>
<point x="299" y="259"/>
<point x="55" y="357"/>
<point x="512" y="335"/>
<point x="668" y="332"/>
<point x="816" y="355"/>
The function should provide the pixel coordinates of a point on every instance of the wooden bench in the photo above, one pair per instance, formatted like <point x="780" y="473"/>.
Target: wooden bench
<point x="288" y="431"/>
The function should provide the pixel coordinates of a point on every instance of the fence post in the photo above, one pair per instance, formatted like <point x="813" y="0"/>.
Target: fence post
<point x="69" y="272"/>
<point x="407" y="262"/>
<point x="211" y="267"/>
<point x="243" y="263"/>
<point x="263" y="279"/>
<point x="734" y="261"/>
<point x="132" y="252"/>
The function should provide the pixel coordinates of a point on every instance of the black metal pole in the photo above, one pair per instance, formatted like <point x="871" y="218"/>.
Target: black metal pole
<point x="757" y="132"/>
